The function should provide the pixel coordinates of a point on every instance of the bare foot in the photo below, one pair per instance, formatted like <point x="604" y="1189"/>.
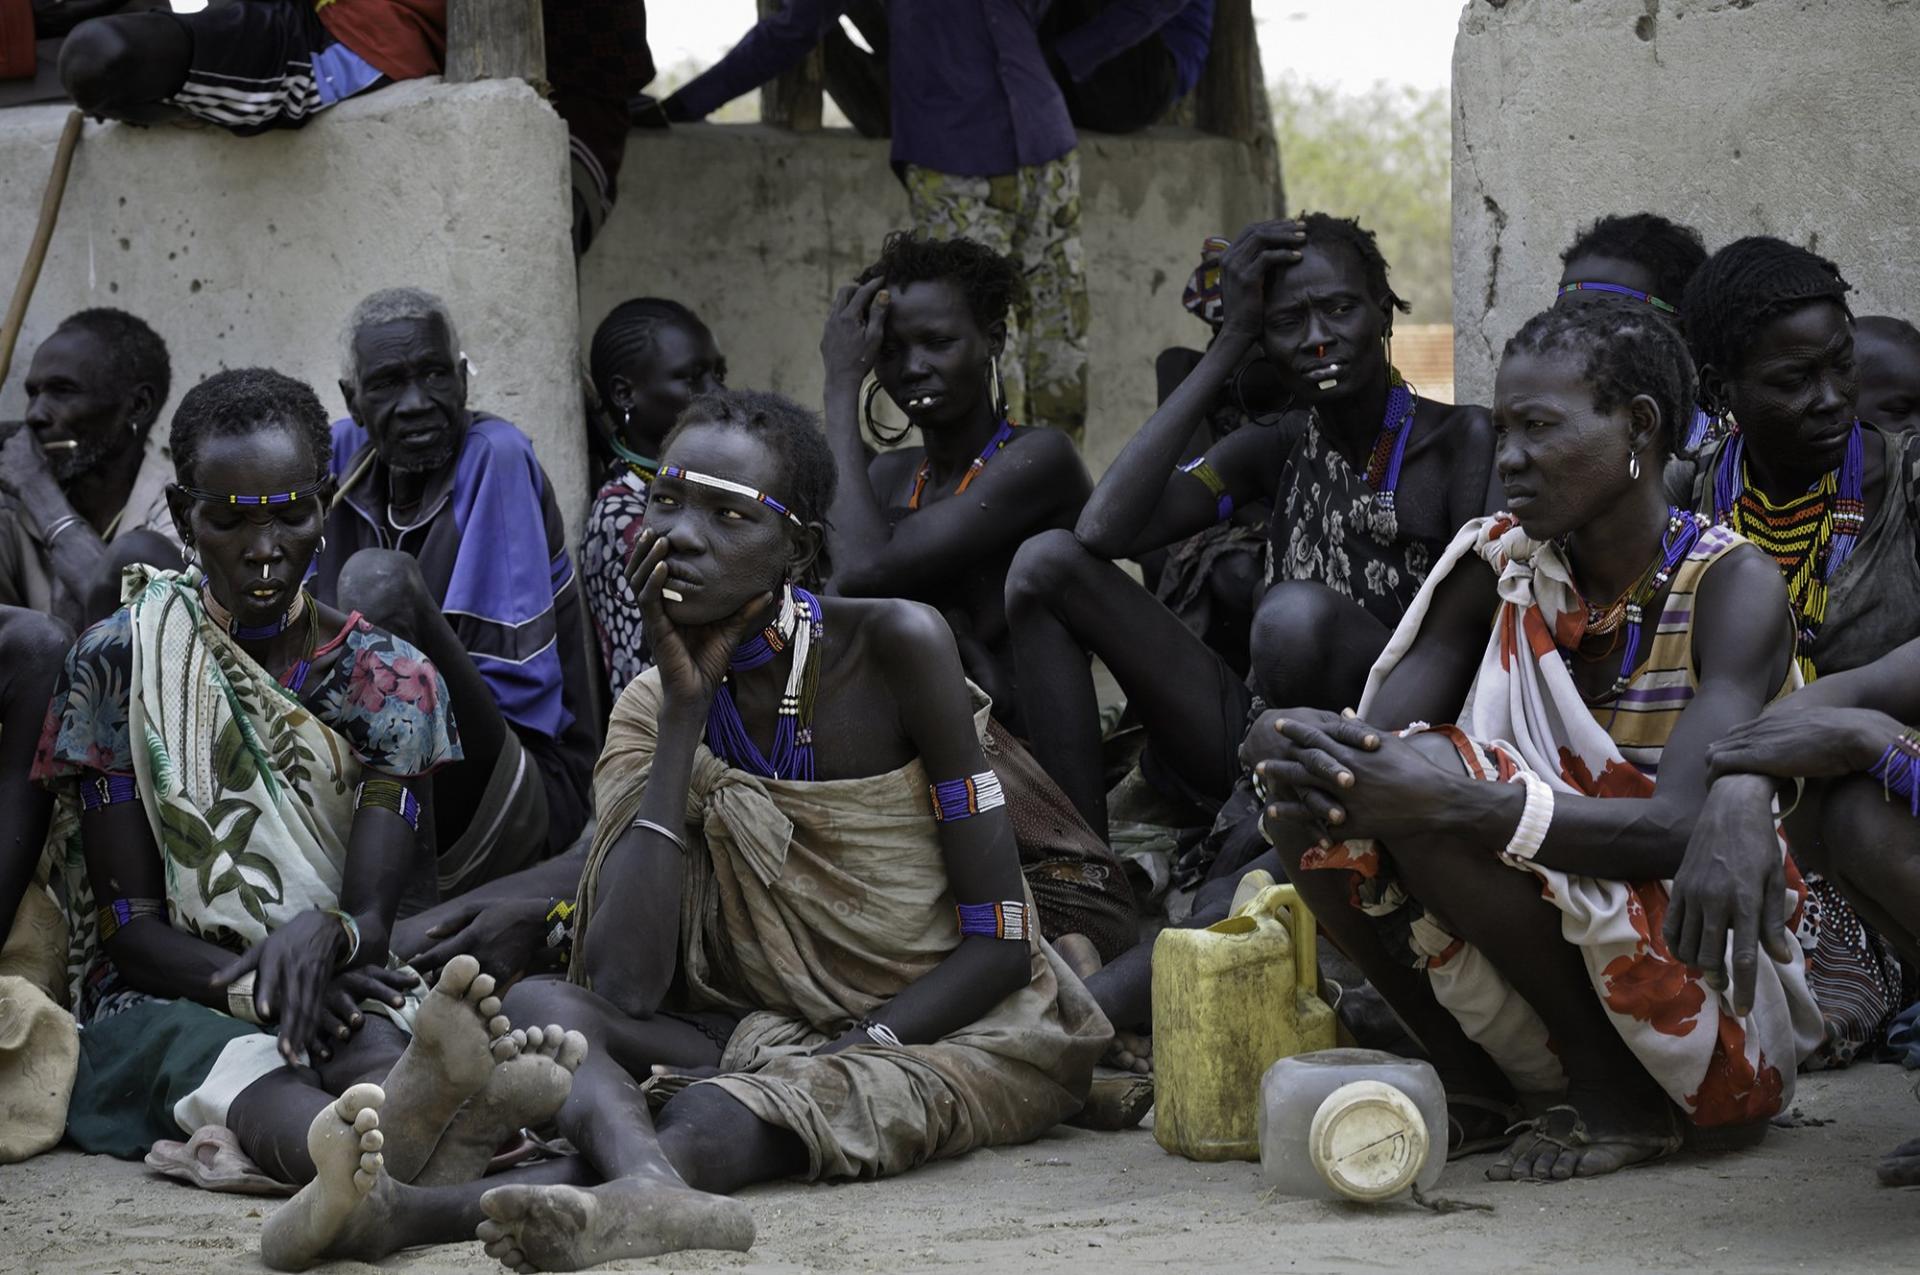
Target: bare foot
<point x="449" y="1059"/>
<point x="1901" y="1166"/>
<point x="1131" y="1051"/>
<point x="565" y="1228"/>
<point x="1606" y="1133"/>
<point x="344" y="1141"/>
<point x="1081" y="956"/>
<point x="532" y="1076"/>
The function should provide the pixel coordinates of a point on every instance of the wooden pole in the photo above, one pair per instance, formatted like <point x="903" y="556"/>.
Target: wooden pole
<point x="1231" y="99"/>
<point x="496" y="40"/>
<point x="793" y="99"/>
<point x="42" y="237"/>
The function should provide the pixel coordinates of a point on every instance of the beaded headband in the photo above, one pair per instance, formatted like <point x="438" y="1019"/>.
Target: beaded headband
<point x="1665" y="307"/>
<point x="727" y="484"/>
<point x="272" y="498"/>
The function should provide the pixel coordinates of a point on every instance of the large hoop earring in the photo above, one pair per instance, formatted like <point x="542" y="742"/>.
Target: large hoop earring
<point x="879" y="435"/>
<point x="1633" y="466"/>
<point x="996" y="388"/>
<point x="1386" y="343"/>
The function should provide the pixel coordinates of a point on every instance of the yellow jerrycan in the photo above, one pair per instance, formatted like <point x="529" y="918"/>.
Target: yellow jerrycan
<point x="1228" y="1002"/>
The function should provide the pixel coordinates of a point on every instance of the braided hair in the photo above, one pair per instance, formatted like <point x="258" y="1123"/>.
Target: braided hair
<point x="1747" y="285"/>
<point x="243" y="401"/>
<point x="627" y="333"/>
<point x="1669" y="251"/>
<point x="1324" y="228"/>
<point x="1627" y="349"/>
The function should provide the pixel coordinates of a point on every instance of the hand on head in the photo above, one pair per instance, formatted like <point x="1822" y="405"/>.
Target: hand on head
<point x="1262" y="250"/>
<point x="856" y="323"/>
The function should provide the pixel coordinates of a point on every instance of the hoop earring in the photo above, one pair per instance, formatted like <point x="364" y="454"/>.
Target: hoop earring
<point x="996" y="388"/>
<point x="323" y="544"/>
<point x="1633" y="466"/>
<point x="1386" y="342"/>
<point x="880" y="436"/>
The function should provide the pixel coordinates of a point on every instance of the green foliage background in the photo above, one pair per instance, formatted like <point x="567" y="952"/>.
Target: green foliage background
<point x="1386" y="157"/>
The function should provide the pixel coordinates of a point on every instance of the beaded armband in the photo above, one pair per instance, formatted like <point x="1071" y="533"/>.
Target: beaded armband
<point x="388" y="794"/>
<point x="1898" y="769"/>
<point x="560" y="917"/>
<point x="119" y="913"/>
<point x="964" y="798"/>
<point x="1211" y="480"/>
<point x="107" y="790"/>
<point x="996" y="920"/>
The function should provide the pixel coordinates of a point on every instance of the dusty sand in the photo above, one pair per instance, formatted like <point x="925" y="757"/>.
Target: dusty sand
<point x="1805" y="1198"/>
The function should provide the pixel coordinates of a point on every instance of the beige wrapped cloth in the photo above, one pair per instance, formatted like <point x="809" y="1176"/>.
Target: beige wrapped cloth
<point x="807" y="906"/>
<point x="39" y="1046"/>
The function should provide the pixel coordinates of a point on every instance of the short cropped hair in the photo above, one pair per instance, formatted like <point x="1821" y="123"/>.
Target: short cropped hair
<point x="392" y="305"/>
<point x="139" y="355"/>
<point x="244" y="401"/>
<point x="1669" y="251"/>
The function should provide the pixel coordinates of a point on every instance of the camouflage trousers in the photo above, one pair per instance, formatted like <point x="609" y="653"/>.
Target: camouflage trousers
<point x="1033" y="216"/>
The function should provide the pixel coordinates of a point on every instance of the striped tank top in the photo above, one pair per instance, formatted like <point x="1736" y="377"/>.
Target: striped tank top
<point x="1642" y="719"/>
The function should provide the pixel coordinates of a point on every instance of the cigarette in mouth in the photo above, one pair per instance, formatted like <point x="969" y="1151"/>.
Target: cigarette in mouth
<point x="62" y="445"/>
<point x="672" y="595"/>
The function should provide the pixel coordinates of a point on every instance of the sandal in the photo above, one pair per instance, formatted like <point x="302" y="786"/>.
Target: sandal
<point x="1564" y="1127"/>
<point x="1474" y="1134"/>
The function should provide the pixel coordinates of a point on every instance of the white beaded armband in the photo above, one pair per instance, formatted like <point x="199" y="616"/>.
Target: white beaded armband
<point x="1535" y="819"/>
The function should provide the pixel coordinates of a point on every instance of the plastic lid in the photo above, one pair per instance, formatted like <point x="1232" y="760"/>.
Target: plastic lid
<point x="1368" y="1141"/>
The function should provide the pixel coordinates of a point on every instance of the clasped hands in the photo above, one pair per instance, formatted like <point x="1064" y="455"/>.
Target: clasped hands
<point x="1339" y="777"/>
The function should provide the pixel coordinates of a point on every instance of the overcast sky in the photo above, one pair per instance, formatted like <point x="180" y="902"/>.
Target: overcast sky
<point x="1346" y="43"/>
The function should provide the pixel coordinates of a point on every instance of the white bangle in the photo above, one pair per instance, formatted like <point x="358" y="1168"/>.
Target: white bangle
<point x="240" y="1001"/>
<point x="1535" y="819"/>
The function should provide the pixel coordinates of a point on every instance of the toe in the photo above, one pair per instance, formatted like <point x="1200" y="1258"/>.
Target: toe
<point x="359" y="1100"/>
<point x="573" y="1050"/>
<point x="507" y="1046"/>
<point x="457" y="975"/>
<point x="480" y="988"/>
<point x="489" y="1232"/>
<point x="372" y="1140"/>
<point x="498" y="1024"/>
<point x="1568" y="1164"/>
<point x="536" y="1039"/>
<point x="367" y="1121"/>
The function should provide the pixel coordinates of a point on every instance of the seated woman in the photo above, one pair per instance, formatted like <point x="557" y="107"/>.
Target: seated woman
<point x="804" y="887"/>
<point x="1853" y="763"/>
<point x="929" y="320"/>
<point x="1836" y="501"/>
<point x="649" y="359"/>
<point x="1502" y="880"/>
<point x="244" y="765"/>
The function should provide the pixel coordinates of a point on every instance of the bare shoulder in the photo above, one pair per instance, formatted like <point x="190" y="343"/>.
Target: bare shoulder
<point x="896" y="630"/>
<point x="1744" y="580"/>
<point x="889" y="468"/>
<point x="1469" y="425"/>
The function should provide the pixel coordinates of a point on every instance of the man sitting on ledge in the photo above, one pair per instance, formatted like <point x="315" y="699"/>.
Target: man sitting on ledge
<point x="432" y="538"/>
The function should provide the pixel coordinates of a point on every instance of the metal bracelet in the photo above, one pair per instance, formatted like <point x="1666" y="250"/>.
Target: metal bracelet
<point x="352" y="930"/>
<point x="57" y="526"/>
<point x="240" y="999"/>
<point x="663" y="830"/>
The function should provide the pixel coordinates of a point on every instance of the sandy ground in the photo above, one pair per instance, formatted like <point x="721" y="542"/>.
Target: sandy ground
<point x="1805" y="1198"/>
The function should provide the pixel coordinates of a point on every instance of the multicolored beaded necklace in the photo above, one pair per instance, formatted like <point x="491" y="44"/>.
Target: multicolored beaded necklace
<point x="1630" y="608"/>
<point x="1810" y="536"/>
<point x="303" y="604"/>
<point x="645" y="468"/>
<point x="994" y="444"/>
<point x="1390" y="447"/>
<point x="799" y="626"/>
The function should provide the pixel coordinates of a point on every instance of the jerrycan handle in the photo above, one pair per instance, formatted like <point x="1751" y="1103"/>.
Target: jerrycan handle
<point x="1305" y="934"/>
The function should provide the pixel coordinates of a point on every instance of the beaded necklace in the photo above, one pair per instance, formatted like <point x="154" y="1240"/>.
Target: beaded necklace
<point x="1810" y="536"/>
<point x="1390" y="446"/>
<point x="994" y="444"/>
<point x="798" y="625"/>
<point x="1683" y="532"/>
<point x="644" y="468"/>
<point x="255" y="632"/>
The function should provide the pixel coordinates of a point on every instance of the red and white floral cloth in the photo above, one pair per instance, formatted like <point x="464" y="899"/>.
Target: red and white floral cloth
<point x="1524" y="713"/>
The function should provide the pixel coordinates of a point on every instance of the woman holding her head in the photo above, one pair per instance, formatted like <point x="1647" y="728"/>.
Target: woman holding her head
<point x="650" y="357"/>
<point x="1501" y="876"/>
<point x="805" y="896"/>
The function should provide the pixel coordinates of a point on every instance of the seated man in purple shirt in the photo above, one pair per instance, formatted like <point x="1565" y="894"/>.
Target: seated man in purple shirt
<point x="446" y="532"/>
<point x="984" y="143"/>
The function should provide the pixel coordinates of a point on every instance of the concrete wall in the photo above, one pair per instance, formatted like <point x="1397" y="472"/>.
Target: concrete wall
<point x="253" y="250"/>
<point x="1796" y="118"/>
<point x="755" y="228"/>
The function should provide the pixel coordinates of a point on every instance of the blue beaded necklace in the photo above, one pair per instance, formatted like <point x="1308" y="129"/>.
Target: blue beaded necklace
<point x="798" y="625"/>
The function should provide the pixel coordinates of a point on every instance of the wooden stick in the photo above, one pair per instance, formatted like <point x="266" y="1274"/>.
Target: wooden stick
<point x="359" y="472"/>
<point x="42" y="236"/>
